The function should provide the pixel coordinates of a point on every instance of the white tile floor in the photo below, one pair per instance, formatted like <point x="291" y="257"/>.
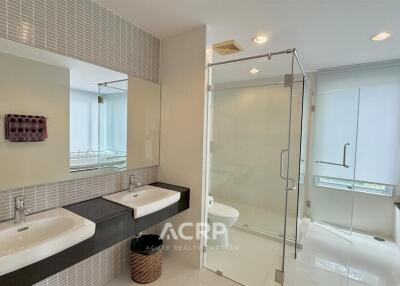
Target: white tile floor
<point x="250" y="260"/>
<point x="329" y="258"/>
<point x="177" y="273"/>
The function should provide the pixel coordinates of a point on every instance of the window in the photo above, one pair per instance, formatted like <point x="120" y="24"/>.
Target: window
<point x="84" y="130"/>
<point x="357" y="186"/>
<point x="357" y="138"/>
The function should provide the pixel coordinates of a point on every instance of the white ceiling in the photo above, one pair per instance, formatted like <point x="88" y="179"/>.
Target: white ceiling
<point x="326" y="33"/>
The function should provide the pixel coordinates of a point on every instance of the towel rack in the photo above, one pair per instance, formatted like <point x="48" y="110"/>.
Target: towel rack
<point x="343" y="164"/>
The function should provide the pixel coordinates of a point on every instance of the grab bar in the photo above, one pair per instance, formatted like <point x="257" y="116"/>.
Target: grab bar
<point x="338" y="164"/>
<point x="281" y="171"/>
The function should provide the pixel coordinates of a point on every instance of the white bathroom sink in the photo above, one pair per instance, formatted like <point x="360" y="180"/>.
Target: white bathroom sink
<point x="145" y="200"/>
<point x="42" y="235"/>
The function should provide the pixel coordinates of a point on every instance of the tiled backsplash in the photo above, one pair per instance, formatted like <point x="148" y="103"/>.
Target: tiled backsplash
<point x="95" y="270"/>
<point x="84" y="30"/>
<point x="43" y="197"/>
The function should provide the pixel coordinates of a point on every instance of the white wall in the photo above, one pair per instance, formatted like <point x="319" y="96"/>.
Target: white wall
<point x="183" y="96"/>
<point x="371" y="213"/>
<point x="33" y="88"/>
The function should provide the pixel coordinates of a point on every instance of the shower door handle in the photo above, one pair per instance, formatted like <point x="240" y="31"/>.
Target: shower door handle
<point x="344" y="159"/>
<point x="282" y="171"/>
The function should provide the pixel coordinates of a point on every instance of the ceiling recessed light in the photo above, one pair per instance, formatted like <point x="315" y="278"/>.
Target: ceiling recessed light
<point x="381" y="36"/>
<point x="260" y="40"/>
<point x="253" y="71"/>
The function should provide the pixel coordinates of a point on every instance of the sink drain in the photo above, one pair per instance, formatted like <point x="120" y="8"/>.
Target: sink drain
<point x="379" y="238"/>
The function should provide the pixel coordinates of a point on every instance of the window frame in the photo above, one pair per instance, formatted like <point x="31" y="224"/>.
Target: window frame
<point x="353" y="185"/>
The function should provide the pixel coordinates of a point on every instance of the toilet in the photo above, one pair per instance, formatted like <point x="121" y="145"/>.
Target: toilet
<point x="220" y="213"/>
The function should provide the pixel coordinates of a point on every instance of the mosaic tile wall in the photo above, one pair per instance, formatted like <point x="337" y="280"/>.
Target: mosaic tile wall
<point x="84" y="30"/>
<point x="95" y="270"/>
<point x="42" y="197"/>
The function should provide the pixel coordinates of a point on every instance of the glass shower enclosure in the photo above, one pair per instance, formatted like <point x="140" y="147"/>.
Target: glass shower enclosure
<point x="255" y="163"/>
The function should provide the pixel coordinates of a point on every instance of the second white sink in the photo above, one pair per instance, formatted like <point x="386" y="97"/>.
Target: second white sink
<point x="145" y="200"/>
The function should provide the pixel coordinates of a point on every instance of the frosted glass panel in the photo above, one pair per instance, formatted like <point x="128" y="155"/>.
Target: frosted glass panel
<point x="378" y="148"/>
<point x="335" y="126"/>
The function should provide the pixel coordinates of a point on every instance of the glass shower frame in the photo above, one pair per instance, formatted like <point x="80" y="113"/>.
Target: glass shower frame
<point x="115" y="158"/>
<point x="295" y="76"/>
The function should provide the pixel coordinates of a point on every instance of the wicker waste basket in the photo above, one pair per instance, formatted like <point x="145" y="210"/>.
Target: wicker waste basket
<point x="146" y="253"/>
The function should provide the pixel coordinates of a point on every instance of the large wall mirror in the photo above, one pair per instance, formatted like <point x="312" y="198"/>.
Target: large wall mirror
<point x="62" y="119"/>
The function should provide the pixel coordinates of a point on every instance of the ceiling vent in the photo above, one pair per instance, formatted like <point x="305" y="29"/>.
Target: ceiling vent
<point x="227" y="48"/>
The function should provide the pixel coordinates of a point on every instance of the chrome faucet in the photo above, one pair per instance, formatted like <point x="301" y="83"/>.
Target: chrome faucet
<point x="133" y="184"/>
<point x="20" y="211"/>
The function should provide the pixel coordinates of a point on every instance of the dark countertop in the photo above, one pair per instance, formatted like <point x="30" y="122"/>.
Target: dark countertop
<point x="97" y="210"/>
<point x="114" y="223"/>
<point x="397" y="205"/>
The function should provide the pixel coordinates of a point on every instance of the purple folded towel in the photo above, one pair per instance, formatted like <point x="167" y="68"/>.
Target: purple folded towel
<point x="25" y="128"/>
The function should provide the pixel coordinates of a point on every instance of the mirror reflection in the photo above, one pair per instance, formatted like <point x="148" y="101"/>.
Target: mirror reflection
<point x="98" y="127"/>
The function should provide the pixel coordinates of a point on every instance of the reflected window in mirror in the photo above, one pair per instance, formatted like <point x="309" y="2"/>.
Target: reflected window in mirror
<point x="98" y="127"/>
<point x="84" y="129"/>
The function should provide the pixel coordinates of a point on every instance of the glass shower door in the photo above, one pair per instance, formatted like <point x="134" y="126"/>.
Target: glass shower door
<point x="250" y="167"/>
<point x="325" y="251"/>
<point x="249" y="153"/>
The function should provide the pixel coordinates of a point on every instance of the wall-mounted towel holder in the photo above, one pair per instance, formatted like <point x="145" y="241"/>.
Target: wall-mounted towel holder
<point x="25" y="128"/>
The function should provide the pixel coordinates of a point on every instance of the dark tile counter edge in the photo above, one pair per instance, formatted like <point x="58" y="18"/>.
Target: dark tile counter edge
<point x="114" y="224"/>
